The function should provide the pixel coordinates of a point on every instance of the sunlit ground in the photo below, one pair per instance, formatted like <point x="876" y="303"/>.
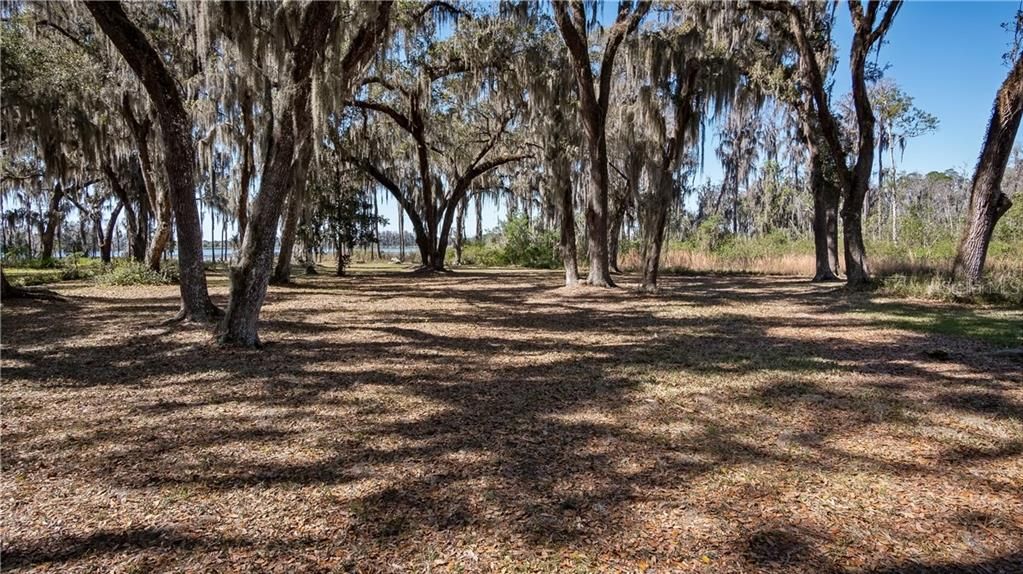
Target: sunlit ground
<point x="492" y="421"/>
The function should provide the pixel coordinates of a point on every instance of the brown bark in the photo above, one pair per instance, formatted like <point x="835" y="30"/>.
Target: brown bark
<point x="655" y="216"/>
<point x="107" y="245"/>
<point x="593" y="103"/>
<point x="292" y="125"/>
<point x="614" y="238"/>
<point x="825" y="219"/>
<point x="282" y="272"/>
<point x="855" y="180"/>
<point x="175" y="127"/>
<point x="987" y="202"/>
<point x="51" y="222"/>
<point x="157" y="198"/>
<point x="566" y="211"/>
<point x="654" y="223"/>
<point x="460" y="229"/>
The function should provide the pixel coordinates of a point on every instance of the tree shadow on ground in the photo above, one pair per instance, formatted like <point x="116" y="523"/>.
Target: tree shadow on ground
<point x="481" y="405"/>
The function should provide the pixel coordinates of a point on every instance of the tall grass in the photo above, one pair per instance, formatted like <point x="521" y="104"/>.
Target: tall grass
<point x="900" y="270"/>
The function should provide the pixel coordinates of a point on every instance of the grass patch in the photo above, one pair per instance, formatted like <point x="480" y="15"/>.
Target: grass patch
<point x="29" y="273"/>
<point x="1003" y="327"/>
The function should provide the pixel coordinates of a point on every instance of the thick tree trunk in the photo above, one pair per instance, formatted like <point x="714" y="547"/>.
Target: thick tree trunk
<point x="855" y="181"/>
<point x="176" y="130"/>
<point x="655" y="221"/>
<point x="292" y="127"/>
<point x="594" y="95"/>
<point x="857" y="271"/>
<point x="107" y="246"/>
<point x="987" y="202"/>
<point x="249" y="279"/>
<point x="596" y="202"/>
<point x="825" y="219"/>
<point x="566" y="211"/>
<point x="51" y="222"/>
<point x="282" y="272"/>
<point x="440" y="251"/>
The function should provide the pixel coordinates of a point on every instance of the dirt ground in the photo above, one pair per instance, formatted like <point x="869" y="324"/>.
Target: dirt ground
<point x="490" y="421"/>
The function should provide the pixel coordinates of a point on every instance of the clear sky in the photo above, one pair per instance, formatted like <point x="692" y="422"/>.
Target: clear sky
<point x="948" y="56"/>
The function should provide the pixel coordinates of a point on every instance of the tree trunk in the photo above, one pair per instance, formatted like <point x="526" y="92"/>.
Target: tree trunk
<point x="593" y="105"/>
<point x="987" y="202"/>
<point x="857" y="271"/>
<point x="282" y="273"/>
<point x="248" y="160"/>
<point x="825" y="219"/>
<point x="401" y="234"/>
<point x="106" y="248"/>
<point x="51" y="222"/>
<point x="596" y="201"/>
<point x="376" y="226"/>
<point x="144" y="182"/>
<point x="162" y="233"/>
<point x="176" y="130"/>
<point x="460" y="229"/>
<point x="615" y="235"/>
<point x="567" y="237"/>
<point x="292" y="127"/>
<point x="655" y="221"/>
<point x="855" y="181"/>
<point x="479" y="217"/>
<point x="137" y="218"/>
<point x="894" y="188"/>
<point x="308" y="258"/>
<point x="249" y="279"/>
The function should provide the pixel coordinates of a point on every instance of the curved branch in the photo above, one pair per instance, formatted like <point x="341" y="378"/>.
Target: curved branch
<point x="403" y="121"/>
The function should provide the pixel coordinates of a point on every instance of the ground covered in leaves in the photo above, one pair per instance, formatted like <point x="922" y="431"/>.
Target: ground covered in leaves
<point x="491" y="421"/>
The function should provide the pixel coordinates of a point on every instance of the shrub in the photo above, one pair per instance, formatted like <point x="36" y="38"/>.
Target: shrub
<point x="526" y="247"/>
<point x="483" y="253"/>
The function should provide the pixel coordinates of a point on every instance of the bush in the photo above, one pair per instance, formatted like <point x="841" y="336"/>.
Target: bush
<point x="711" y="233"/>
<point x="528" y="248"/>
<point x="484" y="254"/>
<point x="135" y="273"/>
<point x="517" y="244"/>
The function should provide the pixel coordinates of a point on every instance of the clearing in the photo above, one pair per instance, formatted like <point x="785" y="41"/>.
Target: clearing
<point x="487" y="420"/>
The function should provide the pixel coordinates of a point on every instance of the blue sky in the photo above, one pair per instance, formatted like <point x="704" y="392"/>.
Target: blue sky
<point x="948" y="56"/>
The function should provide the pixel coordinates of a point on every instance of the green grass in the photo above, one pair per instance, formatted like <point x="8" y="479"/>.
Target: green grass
<point x="32" y="273"/>
<point x="1002" y="327"/>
